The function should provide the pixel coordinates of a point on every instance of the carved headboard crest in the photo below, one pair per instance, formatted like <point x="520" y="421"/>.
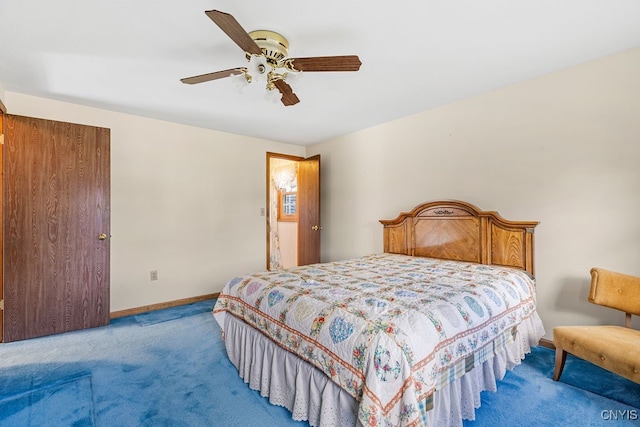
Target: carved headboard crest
<point x="457" y="230"/>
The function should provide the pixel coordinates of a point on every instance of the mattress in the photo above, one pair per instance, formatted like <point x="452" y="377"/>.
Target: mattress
<point x="397" y="334"/>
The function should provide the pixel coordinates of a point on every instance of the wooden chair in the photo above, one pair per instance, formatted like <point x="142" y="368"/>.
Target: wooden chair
<point x="614" y="348"/>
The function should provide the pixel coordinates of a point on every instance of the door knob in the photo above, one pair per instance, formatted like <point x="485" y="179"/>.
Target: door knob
<point x="102" y="236"/>
<point x="316" y="228"/>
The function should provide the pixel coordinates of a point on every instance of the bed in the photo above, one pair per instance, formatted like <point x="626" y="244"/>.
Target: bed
<point x="408" y="337"/>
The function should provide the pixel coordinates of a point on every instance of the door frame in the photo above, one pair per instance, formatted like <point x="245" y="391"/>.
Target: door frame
<point x="270" y="156"/>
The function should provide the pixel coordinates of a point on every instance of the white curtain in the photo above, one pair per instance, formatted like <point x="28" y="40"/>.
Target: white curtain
<point x="275" y="260"/>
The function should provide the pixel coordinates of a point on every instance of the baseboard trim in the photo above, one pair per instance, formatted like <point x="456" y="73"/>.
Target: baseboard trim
<point x="162" y="305"/>
<point x="547" y="343"/>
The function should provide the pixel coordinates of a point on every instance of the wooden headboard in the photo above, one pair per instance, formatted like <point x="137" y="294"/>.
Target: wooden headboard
<point x="459" y="231"/>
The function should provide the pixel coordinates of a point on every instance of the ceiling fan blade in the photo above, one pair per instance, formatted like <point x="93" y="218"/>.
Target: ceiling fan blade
<point x="234" y="30"/>
<point x="211" y="76"/>
<point x="324" y="63"/>
<point x="288" y="97"/>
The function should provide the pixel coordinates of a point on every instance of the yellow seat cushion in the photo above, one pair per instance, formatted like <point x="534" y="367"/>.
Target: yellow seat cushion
<point x="614" y="348"/>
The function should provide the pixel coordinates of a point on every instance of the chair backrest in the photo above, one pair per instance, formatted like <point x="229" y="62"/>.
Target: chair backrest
<point x="615" y="290"/>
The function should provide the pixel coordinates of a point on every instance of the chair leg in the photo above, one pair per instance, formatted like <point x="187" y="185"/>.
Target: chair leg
<point x="561" y="357"/>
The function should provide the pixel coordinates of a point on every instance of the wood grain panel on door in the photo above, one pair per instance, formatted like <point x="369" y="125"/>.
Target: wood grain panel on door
<point x="309" y="211"/>
<point x="1" y="261"/>
<point x="56" y="206"/>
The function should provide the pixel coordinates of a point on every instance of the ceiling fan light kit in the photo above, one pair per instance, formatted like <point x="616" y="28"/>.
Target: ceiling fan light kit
<point x="241" y="80"/>
<point x="267" y="53"/>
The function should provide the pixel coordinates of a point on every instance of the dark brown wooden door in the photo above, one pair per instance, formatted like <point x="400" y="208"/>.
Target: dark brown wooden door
<point x="309" y="211"/>
<point x="1" y="263"/>
<point x="56" y="231"/>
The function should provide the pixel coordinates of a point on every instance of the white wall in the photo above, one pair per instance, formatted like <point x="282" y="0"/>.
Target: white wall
<point x="184" y="201"/>
<point x="563" y="149"/>
<point x="288" y="234"/>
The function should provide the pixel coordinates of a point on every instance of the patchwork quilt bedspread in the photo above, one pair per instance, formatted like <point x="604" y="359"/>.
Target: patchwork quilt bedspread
<point x="389" y="329"/>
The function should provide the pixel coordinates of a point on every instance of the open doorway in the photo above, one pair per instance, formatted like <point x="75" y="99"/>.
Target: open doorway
<point x="293" y="211"/>
<point x="282" y="222"/>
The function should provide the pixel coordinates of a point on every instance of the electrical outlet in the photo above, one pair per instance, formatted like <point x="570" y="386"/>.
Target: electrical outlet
<point x="154" y="275"/>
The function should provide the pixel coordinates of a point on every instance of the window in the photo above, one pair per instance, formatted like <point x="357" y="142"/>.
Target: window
<point x="287" y="206"/>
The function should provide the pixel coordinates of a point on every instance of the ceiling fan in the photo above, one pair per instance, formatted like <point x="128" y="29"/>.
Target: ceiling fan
<point x="267" y="53"/>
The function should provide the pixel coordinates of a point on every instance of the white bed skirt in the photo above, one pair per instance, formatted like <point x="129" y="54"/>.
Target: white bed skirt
<point x="311" y="396"/>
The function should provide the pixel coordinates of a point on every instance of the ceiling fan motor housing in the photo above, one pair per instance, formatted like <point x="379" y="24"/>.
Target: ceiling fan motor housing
<point x="274" y="46"/>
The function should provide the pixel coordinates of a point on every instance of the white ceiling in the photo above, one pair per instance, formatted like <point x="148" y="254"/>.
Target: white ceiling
<point x="129" y="56"/>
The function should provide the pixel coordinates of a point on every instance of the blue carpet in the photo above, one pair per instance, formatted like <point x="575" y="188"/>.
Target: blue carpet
<point x="160" y="316"/>
<point x="173" y="371"/>
<point x="598" y="381"/>
<point x="49" y="403"/>
<point x="528" y="396"/>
